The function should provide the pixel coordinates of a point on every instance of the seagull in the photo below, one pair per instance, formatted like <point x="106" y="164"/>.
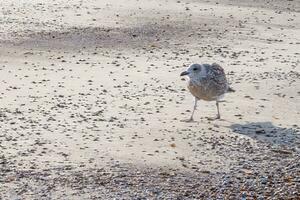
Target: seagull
<point x="207" y="82"/>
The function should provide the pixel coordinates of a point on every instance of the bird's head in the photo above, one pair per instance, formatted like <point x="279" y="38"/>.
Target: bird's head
<point x="193" y="71"/>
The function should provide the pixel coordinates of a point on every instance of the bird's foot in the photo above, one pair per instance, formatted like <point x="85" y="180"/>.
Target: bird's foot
<point x="218" y="117"/>
<point x="188" y="120"/>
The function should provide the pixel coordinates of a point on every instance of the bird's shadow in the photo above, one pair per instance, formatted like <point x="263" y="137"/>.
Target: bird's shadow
<point x="266" y="132"/>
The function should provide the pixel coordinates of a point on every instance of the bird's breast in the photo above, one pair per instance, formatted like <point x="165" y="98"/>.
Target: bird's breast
<point x="200" y="91"/>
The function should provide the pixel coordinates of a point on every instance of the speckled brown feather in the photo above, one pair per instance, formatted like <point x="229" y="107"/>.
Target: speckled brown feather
<point x="212" y="86"/>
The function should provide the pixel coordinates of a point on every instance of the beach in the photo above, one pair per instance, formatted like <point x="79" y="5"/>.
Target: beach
<point x="93" y="105"/>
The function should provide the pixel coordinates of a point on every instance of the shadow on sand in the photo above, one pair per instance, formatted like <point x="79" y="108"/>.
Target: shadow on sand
<point x="268" y="133"/>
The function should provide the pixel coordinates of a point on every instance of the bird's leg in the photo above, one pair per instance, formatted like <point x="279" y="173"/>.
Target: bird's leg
<point x="195" y="107"/>
<point x="218" y="115"/>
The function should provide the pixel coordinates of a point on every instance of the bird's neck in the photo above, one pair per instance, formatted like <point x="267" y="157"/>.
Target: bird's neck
<point x="195" y="81"/>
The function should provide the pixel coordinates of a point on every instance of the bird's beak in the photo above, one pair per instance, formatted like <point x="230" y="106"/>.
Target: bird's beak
<point x="184" y="73"/>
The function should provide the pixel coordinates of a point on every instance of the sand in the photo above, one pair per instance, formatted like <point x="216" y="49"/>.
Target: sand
<point x="93" y="107"/>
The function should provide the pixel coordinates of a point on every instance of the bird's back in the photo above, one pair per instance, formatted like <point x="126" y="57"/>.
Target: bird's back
<point x="212" y="86"/>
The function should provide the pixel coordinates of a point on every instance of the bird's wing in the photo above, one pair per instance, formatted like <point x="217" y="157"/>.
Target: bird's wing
<point x="216" y="70"/>
<point x="216" y="78"/>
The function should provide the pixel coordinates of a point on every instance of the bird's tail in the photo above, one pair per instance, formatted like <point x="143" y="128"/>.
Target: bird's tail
<point x="230" y="89"/>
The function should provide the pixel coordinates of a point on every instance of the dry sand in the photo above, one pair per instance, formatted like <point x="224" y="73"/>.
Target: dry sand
<point x="92" y="103"/>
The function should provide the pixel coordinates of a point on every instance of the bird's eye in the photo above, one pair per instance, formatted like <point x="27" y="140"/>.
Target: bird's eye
<point x="194" y="69"/>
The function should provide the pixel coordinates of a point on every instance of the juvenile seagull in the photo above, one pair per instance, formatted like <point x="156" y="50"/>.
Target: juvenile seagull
<point x="207" y="82"/>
